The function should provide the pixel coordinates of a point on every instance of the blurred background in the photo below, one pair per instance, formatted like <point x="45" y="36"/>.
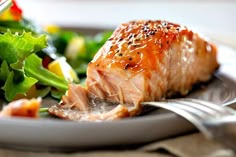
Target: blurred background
<point x="215" y="18"/>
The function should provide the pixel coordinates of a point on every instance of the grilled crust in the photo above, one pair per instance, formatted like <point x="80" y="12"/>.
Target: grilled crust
<point x="149" y="60"/>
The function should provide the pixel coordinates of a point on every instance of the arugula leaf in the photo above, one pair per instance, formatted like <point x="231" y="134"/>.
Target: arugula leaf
<point x="33" y="68"/>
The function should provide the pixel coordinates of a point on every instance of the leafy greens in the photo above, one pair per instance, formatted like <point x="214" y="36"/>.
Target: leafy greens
<point x="21" y="68"/>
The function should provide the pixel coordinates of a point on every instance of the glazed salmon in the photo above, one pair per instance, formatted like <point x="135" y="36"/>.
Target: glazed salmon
<point x="147" y="61"/>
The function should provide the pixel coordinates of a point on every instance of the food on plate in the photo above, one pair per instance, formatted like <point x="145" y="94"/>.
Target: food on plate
<point x="141" y="61"/>
<point x="22" y="108"/>
<point x="61" y="68"/>
<point x="37" y="62"/>
<point x="78" y="48"/>
<point x="32" y="57"/>
<point x="21" y="68"/>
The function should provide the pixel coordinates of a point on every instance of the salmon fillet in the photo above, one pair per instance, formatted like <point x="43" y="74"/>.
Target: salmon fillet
<point x="147" y="61"/>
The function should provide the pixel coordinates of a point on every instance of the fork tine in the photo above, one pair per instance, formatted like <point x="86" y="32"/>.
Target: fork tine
<point x="200" y="112"/>
<point x="206" y="110"/>
<point x="210" y="110"/>
<point x="210" y="105"/>
<point x="230" y="103"/>
<point x="188" y="113"/>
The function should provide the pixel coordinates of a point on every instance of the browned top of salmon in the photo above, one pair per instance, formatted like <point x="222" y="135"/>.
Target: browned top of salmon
<point x="133" y="45"/>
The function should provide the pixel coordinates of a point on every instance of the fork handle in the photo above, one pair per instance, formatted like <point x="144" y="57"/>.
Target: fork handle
<point x="224" y="130"/>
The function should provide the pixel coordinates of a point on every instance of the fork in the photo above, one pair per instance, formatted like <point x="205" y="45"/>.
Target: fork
<point x="4" y="4"/>
<point x="216" y="122"/>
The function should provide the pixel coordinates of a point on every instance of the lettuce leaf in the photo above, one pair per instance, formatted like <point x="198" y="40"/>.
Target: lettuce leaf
<point x="4" y="71"/>
<point x="34" y="68"/>
<point x="12" y="88"/>
<point x="20" y="67"/>
<point x="17" y="47"/>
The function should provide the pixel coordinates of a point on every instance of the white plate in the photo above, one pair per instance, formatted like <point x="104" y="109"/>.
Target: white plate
<point x="61" y="135"/>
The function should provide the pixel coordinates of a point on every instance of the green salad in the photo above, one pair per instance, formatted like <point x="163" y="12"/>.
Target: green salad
<point x="41" y="61"/>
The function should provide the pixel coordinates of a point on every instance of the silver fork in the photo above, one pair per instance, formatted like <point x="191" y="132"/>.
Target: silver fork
<point x="216" y="122"/>
<point x="4" y="4"/>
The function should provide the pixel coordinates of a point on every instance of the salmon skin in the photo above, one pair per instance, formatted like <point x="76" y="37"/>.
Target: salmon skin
<point x="147" y="61"/>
